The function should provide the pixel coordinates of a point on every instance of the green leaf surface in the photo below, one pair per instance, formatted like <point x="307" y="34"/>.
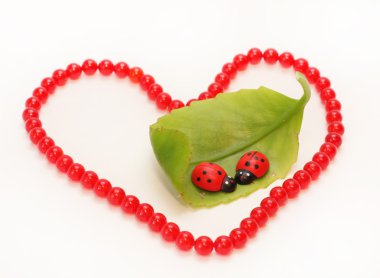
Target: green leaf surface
<point x="221" y="130"/>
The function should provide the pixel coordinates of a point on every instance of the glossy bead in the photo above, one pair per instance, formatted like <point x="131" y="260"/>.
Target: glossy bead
<point x="334" y="138"/>
<point x="203" y="245"/>
<point x="63" y="163"/>
<point x="303" y="178"/>
<point x="286" y="59"/>
<point x="230" y="69"/>
<point x="54" y="153"/>
<point x="33" y="103"/>
<point x="190" y="101"/>
<point x="106" y="67"/>
<point x="334" y="116"/>
<point x="240" y="61"/>
<point x="102" y="188"/>
<point x="76" y="172"/>
<point x="44" y="144"/>
<point x="146" y="81"/>
<point x="121" y="70"/>
<point x="116" y="196"/>
<point x="144" y="212"/>
<point x="41" y="93"/>
<point x="32" y="123"/>
<point x="333" y="104"/>
<point x="163" y="100"/>
<point x="170" y="231"/>
<point x="279" y="194"/>
<point x="36" y="134"/>
<point x="313" y="169"/>
<point x="29" y="113"/>
<point x="254" y="56"/>
<point x="336" y="127"/>
<point x="49" y="85"/>
<point x="223" y="245"/>
<point x="74" y="71"/>
<point x="175" y="104"/>
<point x="292" y="187"/>
<point x="322" y="159"/>
<point x="223" y="79"/>
<point x="260" y="216"/>
<point x="215" y="88"/>
<point x="322" y="82"/>
<point x="157" y="221"/>
<point x="312" y="75"/>
<point x="270" y="56"/>
<point x="205" y="95"/>
<point x="130" y="204"/>
<point x="89" y="67"/>
<point x="185" y="241"/>
<point x="238" y="237"/>
<point x="301" y="65"/>
<point x="270" y="205"/>
<point x="329" y="149"/>
<point x="89" y="179"/>
<point x="154" y="90"/>
<point x="250" y="226"/>
<point x="327" y="94"/>
<point x="135" y="74"/>
<point x="60" y="77"/>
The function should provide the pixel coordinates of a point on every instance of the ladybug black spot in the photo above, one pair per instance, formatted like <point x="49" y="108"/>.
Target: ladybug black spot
<point x="204" y="172"/>
<point x="211" y="163"/>
<point x="219" y="173"/>
<point x="198" y="179"/>
<point x="256" y="158"/>
<point x="208" y="180"/>
<point x="263" y="160"/>
<point x="256" y="166"/>
<point x="247" y="163"/>
<point x="249" y="153"/>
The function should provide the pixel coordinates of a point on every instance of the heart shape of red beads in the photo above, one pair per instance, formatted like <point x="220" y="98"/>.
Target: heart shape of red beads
<point x="144" y="212"/>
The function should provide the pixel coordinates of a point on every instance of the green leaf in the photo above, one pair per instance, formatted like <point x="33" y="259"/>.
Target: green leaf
<point x="221" y="130"/>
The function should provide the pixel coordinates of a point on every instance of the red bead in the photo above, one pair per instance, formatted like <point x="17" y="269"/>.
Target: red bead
<point x="74" y="71"/>
<point x="230" y="69"/>
<point x="334" y="138"/>
<point x="170" y="231"/>
<point x="333" y="104"/>
<point x="322" y="82"/>
<point x="327" y="94"/>
<point x="336" y="127"/>
<point x="205" y="95"/>
<point x="175" y="104"/>
<point x="303" y="178"/>
<point x="30" y="113"/>
<point x="334" y="116"/>
<point x="63" y="163"/>
<point x="322" y="159"/>
<point x="254" y="56"/>
<point x="286" y="59"/>
<point x="89" y="179"/>
<point x="279" y="194"/>
<point x="102" y="188"/>
<point x="130" y="204"/>
<point x="270" y="205"/>
<point x="49" y="85"/>
<point x="144" y="212"/>
<point x="223" y="245"/>
<point x="41" y="93"/>
<point x="329" y="149"/>
<point x="106" y="67"/>
<point x="215" y="88"/>
<point x="260" y="216"/>
<point x="157" y="221"/>
<point x="185" y="241"/>
<point x="36" y="134"/>
<point x="89" y="67"/>
<point x="223" y="79"/>
<point x="249" y="225"/>
<point x="135" y="74"/>
<point x="53" y="153"/>
<point x="32" y="123"/>
<point x="292" y="187"/>
<point x="312" y="75"/>
<point x="301" y="65"/>
<point x="146" y="81"/>
<point x="116" y="196"/>
<point x="60" y="77"/>
<point x="33" y="103"/>
<point x="44" y="144"/>
<point x="76" y="172"/>
<point x="238" y="237"/>
<point x="154" y="90"/>
<point x="240" y="61"/>
<point x="190" y="101"/>
<point x="121" y="69"/>
<point x="163" y="100"/>
<point x="203" y="245"/>
<point x="270" y="56"/>
<point x="313" y="169"/>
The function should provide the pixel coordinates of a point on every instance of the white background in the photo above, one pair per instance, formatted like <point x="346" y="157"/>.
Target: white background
<point x="50" y="227"/>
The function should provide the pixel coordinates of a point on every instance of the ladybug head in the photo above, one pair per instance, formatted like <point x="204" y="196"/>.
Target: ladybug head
<point x="229" y="184"/>
<point x="244" y="177"/>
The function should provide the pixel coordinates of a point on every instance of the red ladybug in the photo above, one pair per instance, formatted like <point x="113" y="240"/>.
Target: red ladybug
<point x="211" y="177"/>
<point x="252" y="165"/>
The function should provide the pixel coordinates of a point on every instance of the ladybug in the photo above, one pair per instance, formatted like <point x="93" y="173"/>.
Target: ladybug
<point x="252" y="165"/>
<point x="211" y="177"/>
